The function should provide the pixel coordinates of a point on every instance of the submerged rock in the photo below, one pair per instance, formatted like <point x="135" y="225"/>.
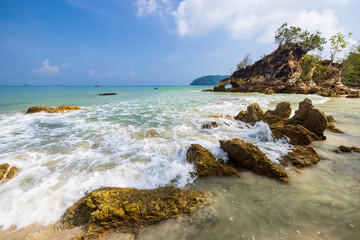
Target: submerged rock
<point x="7" y="173"/>
<point x="300" y="157"/>
<point x="298" y="135"/>
<point x="277" y="117"/>
<point x="344" y="149"/>
<point x="206" y="165"/>
<point x="311" y="118"/>
<point x="210" y="125"/>
<point x="253" y="114"/>
<point x="107" y="94"/>
<point x="37" y="109"/>
<point x="129" y="210"/>
<point x="248" y="156"/>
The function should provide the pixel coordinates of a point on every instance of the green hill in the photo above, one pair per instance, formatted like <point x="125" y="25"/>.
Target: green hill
<point x="209" y="80"/>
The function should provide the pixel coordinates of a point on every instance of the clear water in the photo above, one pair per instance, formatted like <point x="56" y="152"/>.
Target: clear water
<point x="139" y="139"/>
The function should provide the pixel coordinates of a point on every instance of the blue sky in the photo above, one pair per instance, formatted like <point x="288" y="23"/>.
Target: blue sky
<point x="149" y="42"/>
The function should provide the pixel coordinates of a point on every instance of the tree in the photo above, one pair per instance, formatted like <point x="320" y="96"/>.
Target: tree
<point x="246" y="61"/>
<point x="308" y="41"/>
<point x="338" y="44"/>
<point x="351" y="73"/>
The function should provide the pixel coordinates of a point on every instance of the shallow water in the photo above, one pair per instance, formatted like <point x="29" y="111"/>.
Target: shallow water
<point x="139" y="139"/>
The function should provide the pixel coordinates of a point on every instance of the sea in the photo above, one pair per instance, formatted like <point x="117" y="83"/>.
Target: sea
<point x="139" y="138"/>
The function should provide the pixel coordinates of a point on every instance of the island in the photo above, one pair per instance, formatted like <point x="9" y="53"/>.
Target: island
<point x="209" y="80"/>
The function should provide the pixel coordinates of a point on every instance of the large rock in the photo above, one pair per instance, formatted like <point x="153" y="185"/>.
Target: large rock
<point x="311" y="118"/>
<point x="206" y="165"/>
<point x="300" y="157"/>
<point x="277" y="117"/>
<point x="7" y="172"/>
<point x="37" y="109"/>
<point x="253" y="114"/>
<point x="128" y="210"/>
<point x="248" y="156"/>
<point x="344" y="149"/>
<point x="298" y="135"/>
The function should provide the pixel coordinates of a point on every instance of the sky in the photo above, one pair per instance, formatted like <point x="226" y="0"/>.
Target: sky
<point x="150" y="42"/>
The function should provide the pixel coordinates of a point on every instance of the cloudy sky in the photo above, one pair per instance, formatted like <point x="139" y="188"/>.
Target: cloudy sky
<point x="150" y="42"/>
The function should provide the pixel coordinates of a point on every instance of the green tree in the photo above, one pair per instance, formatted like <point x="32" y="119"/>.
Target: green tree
<point x="338" y="44"/>
<point x="290" y="34"/>
<point x="351" y="73"/>
<point x="246" y="61"/>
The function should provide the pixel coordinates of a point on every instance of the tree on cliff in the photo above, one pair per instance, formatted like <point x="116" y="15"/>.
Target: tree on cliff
<point x="351" y="73"/>
<point x="290" y="34"/>
<point x="246" y="61"/>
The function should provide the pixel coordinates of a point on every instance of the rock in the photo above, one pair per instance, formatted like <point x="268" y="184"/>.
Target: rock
<point x="253" y="114"/>
<point x="26" y="84"/>
<point x="300" y="157"/>
<point x="331" y="127"/>
<point x="97" y="86"/>
<point x="248" y="156"/>
<point x="128" y="210"/>
<point x="206" y="165"/>
<point x="7" y="173"/>
<point x="309" y="117"/>
<point x="354" y="94"/>
<point x="229" y="117"/>
<point x="210" y="125"/>
<point x="107" y="94"/>
<point x="37" y="109"/>
<point x="267" y="91"/>
<point x="330" y="119"/>
<point x="277" y="117"/>
<point x="344" y="149"/>
<point x="297" y="134"/>
<point x="151" y="133"/>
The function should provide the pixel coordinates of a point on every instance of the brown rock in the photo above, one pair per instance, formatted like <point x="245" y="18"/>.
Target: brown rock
<point x="206" y="165"/>
<point x="353" y="95"/>
<point x="331" y="127"/>
<point x="267" y="91"/>
<point x="297" y="134"/>
<point x="248" y="156"/>
<point x="210" y="125"/>
<point x="344" y="149"/>
<point x="309" y="117"/>
<point x="7" y="173"/>
<point x="277" y="117"/>
<point x="107" y="94"/>
<point x="300" y="157"/>
<point x="37" y="109"/>
<point x="253" y="114"/>
<point x="128" y="210"/>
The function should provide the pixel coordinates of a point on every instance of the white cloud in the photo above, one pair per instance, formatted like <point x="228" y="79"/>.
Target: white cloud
<point x="116" y="74"/>
<point x="244" y="18"/>
<point x="49" y="69"/>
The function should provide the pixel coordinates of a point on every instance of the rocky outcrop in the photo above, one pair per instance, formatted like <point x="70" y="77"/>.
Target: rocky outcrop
<point x="7" y="172"/>
<point x="298" y="135"/>
<point x="128" y="210"/>
<point x="210" y="125"/>
<point x="300" y="157"/>
<point x="107" y="94"/>
<point x="309" y="117"/>
<point x="278" y="116"/>
<point x="281" y="72"/>
<point x="206" y="165"/>
<point x="253" y="114"/>
<point x="248" y="156"/>
<point x="354" y="95"/>
<point x="37" y="109"/>
<point x="344" y="149"/>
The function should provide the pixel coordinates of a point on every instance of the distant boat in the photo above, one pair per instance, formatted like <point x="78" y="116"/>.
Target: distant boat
<point x="26" y="84"/>
<point x="97" y="86"/>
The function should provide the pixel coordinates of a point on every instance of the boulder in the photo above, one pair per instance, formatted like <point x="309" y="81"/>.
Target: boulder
<point x="206" y="165"/>
<point x="331" y="127"/>
<point x="128" y="210"/>
<point x="253" y="114"/>
<point x="298" y="135"/>
<point x="246" y="155"/>
<point x="344" y="149"/>
<point x="354" y="95"/>
<point x="300" y="157"/>
<point x="7" y="173"/>
<point x="210" y="125"/>
<point x="311" y="118"/>
<point x="37" y="109"/>
<point x="277" y="117"/>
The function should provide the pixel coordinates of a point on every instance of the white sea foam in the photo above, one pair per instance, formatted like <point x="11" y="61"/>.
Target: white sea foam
<point x="63" y="156"/>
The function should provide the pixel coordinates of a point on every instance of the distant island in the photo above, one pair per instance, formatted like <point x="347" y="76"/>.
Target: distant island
<point x="209" y="80"/>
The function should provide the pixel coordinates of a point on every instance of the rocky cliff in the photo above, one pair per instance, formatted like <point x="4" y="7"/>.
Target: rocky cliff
<point x="281" y="72"/>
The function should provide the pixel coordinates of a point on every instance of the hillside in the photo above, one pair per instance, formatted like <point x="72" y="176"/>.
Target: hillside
<point x="209" y="80"/>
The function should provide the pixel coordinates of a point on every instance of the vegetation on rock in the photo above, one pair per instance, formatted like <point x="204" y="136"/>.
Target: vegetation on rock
<point x="351" y="73"/>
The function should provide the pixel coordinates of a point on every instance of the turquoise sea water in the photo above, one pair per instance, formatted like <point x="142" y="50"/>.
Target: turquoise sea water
<point x="139" y="138"/>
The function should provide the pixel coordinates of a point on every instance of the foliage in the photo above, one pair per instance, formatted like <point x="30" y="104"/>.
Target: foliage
<point x="290" y="34"/>
<point x="246" y="61"/>
<point x="314" y="69"/>
<point x="351" y="74"/>
<point x="209" y="80"/>
<point x="338" y="44"/>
